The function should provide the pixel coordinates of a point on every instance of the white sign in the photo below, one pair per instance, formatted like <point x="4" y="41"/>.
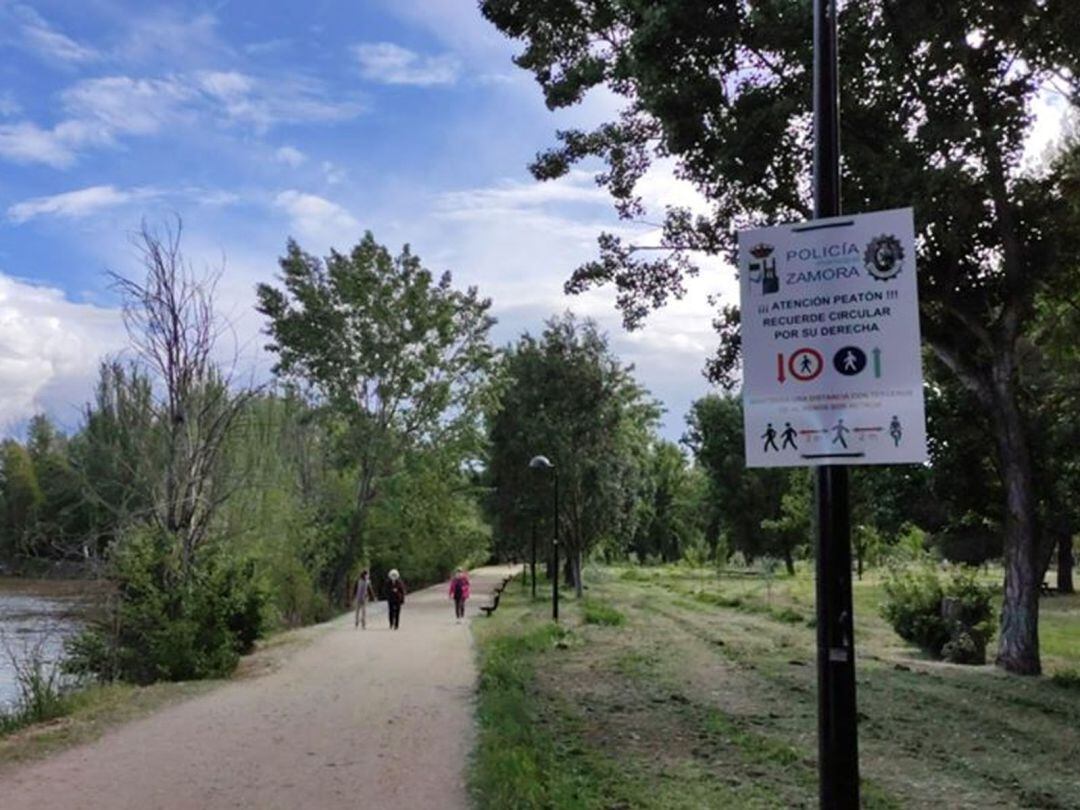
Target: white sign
<point x="830" y="339"/>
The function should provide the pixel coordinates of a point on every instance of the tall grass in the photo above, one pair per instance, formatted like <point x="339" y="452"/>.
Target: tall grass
<point x="41" y="694"/>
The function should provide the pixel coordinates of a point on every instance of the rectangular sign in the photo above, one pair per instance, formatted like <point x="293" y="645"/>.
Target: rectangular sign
<point x="832" y="372"/>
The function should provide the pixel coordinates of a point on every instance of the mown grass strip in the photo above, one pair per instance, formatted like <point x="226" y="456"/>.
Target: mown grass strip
<point x="596" y="612"/>
<point x="519" y="761"/>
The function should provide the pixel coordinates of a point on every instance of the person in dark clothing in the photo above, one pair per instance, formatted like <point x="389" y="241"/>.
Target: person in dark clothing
<point x="459" y="592"/>
<point x="395" y="597"/>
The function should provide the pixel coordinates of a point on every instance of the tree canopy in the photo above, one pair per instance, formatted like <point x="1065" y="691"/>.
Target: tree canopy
<point x="936" y="103"/>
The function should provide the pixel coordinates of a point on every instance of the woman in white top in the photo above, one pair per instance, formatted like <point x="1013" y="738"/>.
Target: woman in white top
<point x="363" y="596"/>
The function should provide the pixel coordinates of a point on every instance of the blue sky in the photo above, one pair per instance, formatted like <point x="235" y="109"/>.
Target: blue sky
<point x="316" y="120"/>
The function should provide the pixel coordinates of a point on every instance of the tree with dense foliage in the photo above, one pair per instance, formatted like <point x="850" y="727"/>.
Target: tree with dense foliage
<point x="937" y="117"/>
<point x="567" y="397"/>
<point x="20" y="498"/>
<point x="109" y="454"/>
<point x="743" y="498"/>
<point x="673" y="509"/>
<point x="377" y="340"/>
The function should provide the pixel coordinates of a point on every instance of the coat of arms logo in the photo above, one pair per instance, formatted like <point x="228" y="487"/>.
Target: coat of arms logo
<point x="762" y="268"/>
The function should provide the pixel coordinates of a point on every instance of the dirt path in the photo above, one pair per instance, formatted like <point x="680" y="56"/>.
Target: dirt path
<point x="356" y="718"/>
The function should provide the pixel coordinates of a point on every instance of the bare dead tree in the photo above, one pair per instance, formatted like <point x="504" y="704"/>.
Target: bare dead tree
<point x="177" y="337"/>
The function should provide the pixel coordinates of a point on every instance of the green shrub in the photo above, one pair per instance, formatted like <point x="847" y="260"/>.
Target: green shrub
<point x="163" y="625"/>
<point x="948" y="614"/>
<point x="787" y="615"/>
<point x="1066" y="679"/>
<point x="296" y="598"/>
<point x="600" y="613"/>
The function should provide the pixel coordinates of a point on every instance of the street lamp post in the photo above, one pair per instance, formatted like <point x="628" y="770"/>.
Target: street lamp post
<point x="542" y="463"/>
<point x="533" y="563"/>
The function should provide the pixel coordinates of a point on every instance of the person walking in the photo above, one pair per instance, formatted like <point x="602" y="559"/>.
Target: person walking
<point x="363" y="595"/>
<point x="395" y="597"/>
<point x="459" y="592"/>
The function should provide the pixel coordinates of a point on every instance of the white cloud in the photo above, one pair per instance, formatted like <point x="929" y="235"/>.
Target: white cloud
<point x="99" y="110"/>
<point x="28" y="143"/>
<point x="123" y="105"/>
<point x="266" y="102"/>
<point x="8" y="105"/>
<point x="387" y="63"/>
<point x="466" y="33"/>
<point x="49" y="349"/>
<point x="77" y="204"/>
<point x="45" y="40"/>
<point x="519" y="241"/>
<point x="228" y="86"/>
<point x="333" y="173"/>
<point x="319" y="220"/>
<point x="576" y="187"/>
<point x="290" y="156"/>
<point x="168" y="37"/>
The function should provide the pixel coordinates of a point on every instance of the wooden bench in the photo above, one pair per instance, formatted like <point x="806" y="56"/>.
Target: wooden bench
<point x="495" y="596"/>
<point x="489" y="609"/>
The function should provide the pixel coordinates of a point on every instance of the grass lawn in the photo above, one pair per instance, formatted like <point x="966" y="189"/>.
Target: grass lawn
<point x="672" y="689"/>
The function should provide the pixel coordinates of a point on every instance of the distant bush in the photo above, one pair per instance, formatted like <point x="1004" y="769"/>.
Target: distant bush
<point x="948" y="614"/>
<point x="1067" y="679"/>
<point x="600" y="613"/>
<point x="165" y="626"/>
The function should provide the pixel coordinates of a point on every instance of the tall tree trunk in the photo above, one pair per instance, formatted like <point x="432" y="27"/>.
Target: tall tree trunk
<point x="578" y="585"/>
<point x="1065" y="563"/>
<point x="1018" y="645"/>
<point x="789" y="563"/>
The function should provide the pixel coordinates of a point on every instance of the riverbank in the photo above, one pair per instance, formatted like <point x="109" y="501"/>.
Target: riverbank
<point x="351" y="713"/>
<point x="669" y="688"/>
<point x="82" y="715"/>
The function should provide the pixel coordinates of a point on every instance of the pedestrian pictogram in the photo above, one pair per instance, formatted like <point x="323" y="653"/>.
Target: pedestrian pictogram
<point x="849" y="361"/>
<point x="805" y="364"/>
<point x="789" y="435"/>
<point x="840" y="430"/>
<point x="896" y="431"/>
<point x="770" y="438"/>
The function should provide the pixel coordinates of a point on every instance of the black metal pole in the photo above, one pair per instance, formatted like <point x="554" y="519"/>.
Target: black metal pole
<point x="838" y="748"/>
<point x="555" y="547"/>
<point x="533" y="558"/>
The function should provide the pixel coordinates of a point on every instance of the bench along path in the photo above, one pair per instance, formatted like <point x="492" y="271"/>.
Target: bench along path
<point x="353" y="719"/>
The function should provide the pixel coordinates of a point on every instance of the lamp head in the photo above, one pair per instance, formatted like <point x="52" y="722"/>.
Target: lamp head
<point x="540" y="463"/>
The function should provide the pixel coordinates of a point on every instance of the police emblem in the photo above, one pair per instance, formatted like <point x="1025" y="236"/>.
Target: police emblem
<point x="763" y="269"/>
<point x="884" y="258"/>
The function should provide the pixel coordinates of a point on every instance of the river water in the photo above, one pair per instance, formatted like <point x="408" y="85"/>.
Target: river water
<point x="36" y="616"/>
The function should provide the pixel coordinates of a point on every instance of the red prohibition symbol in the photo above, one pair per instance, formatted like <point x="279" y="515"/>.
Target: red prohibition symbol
<point x="805" y="364"/>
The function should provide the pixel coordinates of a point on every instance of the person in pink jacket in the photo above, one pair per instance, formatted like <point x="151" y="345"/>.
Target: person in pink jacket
<point x="459" y="592"/>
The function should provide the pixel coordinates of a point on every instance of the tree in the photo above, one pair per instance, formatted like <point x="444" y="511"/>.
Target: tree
<point x="672" y="503"/>
<point x="567" y="397"/>
<point x="20" y="498"/>
<point x="62" y="523"/>
<point x="743" y="498"/>
<point x="176" y="335"/>
<point x="427" y="521"/>
<point x="377" y="340"/>
<point x="937" y="117"/>
<point x="111" y="457"/>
